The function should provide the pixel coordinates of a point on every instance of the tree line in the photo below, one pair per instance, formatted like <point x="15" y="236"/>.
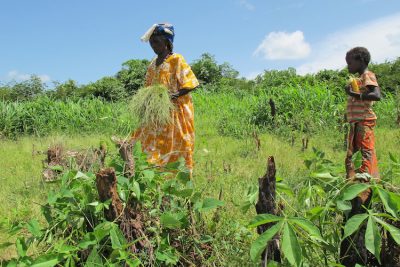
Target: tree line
<point x="212" y="76"/>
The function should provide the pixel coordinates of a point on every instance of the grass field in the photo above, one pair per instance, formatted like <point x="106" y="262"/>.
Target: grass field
<point x="22" y="189"/>
<point x="226" y="157"/>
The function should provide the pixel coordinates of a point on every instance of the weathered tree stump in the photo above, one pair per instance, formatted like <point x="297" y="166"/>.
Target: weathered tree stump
<point x="125" y="149"/>
<point x="390" y="254"/>
<point x="398" y="118"/>
<point x="59" y="159"/>
<point x="305" y="143"/>
<point x="267" y="204"/>
<point x="106" y="183"/>
<point x="129" y="219"/>
<point x="352" y="248"/>
<point x="55" y="158"/>
<point x="273" y="108"/>
<point x="257" y="140"/>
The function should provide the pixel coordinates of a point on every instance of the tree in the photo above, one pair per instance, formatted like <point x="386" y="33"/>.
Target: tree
<point x="108" y="88"/>
<point x="387" y="74"/>
<point x="5" y="92"/>
<point x="206" y="69"/>
<point x="28" y="89"/>
<point x="66" y="90"/>
<point x="228" y="71"/>
<point x="132" y="74"/>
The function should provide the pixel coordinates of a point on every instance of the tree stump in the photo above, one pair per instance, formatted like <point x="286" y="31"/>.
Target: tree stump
<point x="125" y="149"/>
<point x="352" y="248"/>
<point x="55" y="157"/>
<point x="273" y="108"/>
<point x="305" y="143"/>
<point x="390" y="254"/>
<point x="257" y="140"/>
<point x="267" y="204"/>
<point x="106" y="183"/>
<point x="398" y="118"/>
<point x="129" y="219"/>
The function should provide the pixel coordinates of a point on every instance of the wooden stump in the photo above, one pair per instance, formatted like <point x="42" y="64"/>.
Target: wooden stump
<point x="273" y="108"/>
<point x="352" y="248"/>
<point x="398" y="118"/>
<point x="390" y="254"/>
<point x="267" y="204"/>
<point x="129" y="219"/>
<point x="106" y="183"/>
<point x="125" y="149"/>
<point x="59" y="159"/>
<point x="305" y="143"/>
<point x="55" y="157"/>
<point x="257" y="140"/>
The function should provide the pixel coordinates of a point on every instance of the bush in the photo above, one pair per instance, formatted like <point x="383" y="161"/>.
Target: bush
<point x="107" y="88"/>
<point x="132" y="75"/>
<point x="28" y="89"/>
<point x="63" y="91"/>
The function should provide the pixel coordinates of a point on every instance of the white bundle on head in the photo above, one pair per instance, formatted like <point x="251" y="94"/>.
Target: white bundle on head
<point x="147" y="35"/>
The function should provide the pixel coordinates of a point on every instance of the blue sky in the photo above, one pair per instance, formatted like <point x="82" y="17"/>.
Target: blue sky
<point x="88" y="39"/>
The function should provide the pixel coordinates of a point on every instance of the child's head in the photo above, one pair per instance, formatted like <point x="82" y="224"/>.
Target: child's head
<point x="357" y="59"/>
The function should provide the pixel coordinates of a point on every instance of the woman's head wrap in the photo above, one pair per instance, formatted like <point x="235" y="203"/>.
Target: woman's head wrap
<point x="162" y="29"/>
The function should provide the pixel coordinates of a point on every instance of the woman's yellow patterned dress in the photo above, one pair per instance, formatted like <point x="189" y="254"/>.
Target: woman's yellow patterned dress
<point x="167" y="144"/>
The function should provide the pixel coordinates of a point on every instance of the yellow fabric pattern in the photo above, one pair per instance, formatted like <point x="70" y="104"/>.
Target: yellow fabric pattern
<point x="170" y="142"/>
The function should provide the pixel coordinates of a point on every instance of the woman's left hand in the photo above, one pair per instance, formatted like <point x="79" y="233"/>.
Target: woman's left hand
<point x="174" y="96"/>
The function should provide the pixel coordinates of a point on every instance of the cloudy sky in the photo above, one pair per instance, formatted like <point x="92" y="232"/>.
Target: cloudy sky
<point x="86" y="40"/>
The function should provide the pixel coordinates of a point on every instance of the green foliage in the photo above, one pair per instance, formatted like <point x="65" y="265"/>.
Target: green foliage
<point x="77" y="233"/>
<point x="314" y="234"/>
<point x="387" y="74"/>
<point x="107" y="88"/>
<point x="44" y="116"/>
<point x="278" y="78"/>
<point x="227" y="71"/>
<point x="132" y="74"/>
<point x="206" y="69"/>
<point x="25" y="90"/>
<point x="6" y="93"/>
<point x="228" y="106"/>
<point x="66" y="90"/>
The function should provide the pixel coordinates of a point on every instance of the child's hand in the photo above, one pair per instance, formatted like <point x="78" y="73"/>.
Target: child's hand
<point x="348" y="90"/>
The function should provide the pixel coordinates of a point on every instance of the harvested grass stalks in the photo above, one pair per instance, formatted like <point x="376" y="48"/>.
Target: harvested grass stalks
<point x="152" y="106"/>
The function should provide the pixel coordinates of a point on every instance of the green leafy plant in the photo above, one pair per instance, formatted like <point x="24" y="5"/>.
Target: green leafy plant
<point x="77" y="232"/>
<point x="313" y="224"/>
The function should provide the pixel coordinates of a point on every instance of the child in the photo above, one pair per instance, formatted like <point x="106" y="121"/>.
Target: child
<point x="360" y="115"/>
<point x="361" y="138"/>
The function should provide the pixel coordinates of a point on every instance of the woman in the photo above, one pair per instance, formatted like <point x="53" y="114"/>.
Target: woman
<point x="170" y="142"/>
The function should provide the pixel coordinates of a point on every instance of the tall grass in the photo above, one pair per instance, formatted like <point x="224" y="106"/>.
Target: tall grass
<point x="236" y="113"/>
<point x="44" y="116"/>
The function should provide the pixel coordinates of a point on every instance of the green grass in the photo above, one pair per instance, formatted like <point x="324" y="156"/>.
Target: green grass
<point x="225" y="155"/>
<point x="22" y="189"/>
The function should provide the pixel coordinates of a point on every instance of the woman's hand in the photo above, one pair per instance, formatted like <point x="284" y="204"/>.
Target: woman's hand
<point x="174" y="96"/>
<point x="180" y="92"/>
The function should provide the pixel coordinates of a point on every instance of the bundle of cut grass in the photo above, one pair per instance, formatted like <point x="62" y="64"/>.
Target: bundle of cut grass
<point x="152" y="106"/>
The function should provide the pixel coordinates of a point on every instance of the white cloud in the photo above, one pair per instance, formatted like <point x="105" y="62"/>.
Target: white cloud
<point x="381" y="37"/>
<point x="19" y="77"/>
<point x="247" y="4"/>
<point x="283" y="45"/>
